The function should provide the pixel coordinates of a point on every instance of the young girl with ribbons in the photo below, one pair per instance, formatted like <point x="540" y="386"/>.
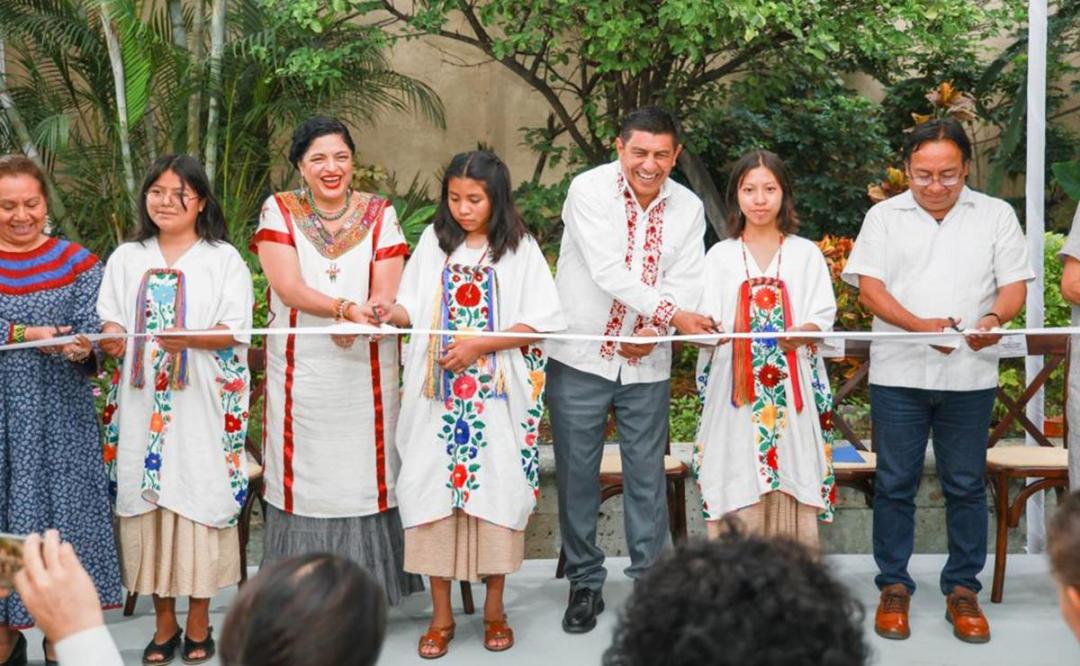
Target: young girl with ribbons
<point x="471" y="405"/>
<point x="176" y="417"/>
<point x="763" y="450"/>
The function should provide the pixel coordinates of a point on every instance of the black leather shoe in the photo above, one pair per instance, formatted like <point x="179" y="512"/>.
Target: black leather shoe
<point x="581" y="612"/>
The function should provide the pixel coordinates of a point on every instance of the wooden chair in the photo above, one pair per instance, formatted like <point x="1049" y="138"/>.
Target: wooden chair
<point x="860" y="475"/>
<point x="1041" y="467"/>
<point x="676" y="473"/>
<point x="257" y="368"/>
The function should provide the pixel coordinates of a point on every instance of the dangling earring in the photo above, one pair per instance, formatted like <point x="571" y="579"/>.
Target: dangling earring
<point x="48" y="230"/>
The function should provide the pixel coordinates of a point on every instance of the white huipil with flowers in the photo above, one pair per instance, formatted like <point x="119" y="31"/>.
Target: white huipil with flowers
<point x="780" y="438"/>
<point x="469" y="440"/>
<point x="175" y="423"/>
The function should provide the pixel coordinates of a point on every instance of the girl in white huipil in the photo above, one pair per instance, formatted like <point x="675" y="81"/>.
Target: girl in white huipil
<point x="472" y="405"/>
<point x="176" y="414"/>
<point x="764" y="447"/>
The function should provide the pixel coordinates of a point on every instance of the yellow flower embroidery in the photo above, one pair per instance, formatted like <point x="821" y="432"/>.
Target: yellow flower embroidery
<point x="536" y="379"/>
<point x="768" y="416"/>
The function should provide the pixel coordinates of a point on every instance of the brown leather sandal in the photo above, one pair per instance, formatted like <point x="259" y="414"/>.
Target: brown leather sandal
<point x="438" y="638"/>
<point x="498" y="630"/>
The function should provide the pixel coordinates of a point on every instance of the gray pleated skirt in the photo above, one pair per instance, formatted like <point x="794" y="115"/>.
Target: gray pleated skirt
<point x="375" y="542"/>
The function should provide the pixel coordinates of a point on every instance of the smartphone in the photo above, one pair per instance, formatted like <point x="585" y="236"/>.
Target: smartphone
<point x="11" y="558"/>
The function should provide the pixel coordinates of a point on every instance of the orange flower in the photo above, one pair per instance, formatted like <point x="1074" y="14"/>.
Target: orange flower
<point x="109" y="453"/>
<point x="157" y="423"/>
<point x="536" y="379"/>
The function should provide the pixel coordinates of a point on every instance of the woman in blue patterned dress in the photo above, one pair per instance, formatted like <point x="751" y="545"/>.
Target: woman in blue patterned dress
<point x="51" y="468"/>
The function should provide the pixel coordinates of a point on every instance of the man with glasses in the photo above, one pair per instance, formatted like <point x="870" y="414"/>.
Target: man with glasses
<point x="939" y="257"/>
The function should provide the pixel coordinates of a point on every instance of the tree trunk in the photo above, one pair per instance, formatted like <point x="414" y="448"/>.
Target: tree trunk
<point x="57" y="208"/>
<point x="693" y="167"/>
<point x="217" y="49"/>
<point x="117" y="62"/>
<point x="196" y="75"/>
<point x="176" y="20"/>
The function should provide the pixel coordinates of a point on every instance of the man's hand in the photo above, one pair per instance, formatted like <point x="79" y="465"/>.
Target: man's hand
<point x="937" y="325"/>
<point x="56" y="588"/>
<point x="977" y="342"/>
<point x="692" y="323"/>
<point x="629" y="350"/>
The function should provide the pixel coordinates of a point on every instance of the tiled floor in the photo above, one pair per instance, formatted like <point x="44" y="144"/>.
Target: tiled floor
<point x="1026" y="627"/>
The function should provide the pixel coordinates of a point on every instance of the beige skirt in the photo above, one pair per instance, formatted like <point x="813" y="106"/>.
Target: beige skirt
<point x="168" y="555"/>
<point x="463" y="547"/>
<point x="777" y="514"/>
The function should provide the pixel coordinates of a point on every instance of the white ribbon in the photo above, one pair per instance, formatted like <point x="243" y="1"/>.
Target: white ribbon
<point x="364" y="329"/>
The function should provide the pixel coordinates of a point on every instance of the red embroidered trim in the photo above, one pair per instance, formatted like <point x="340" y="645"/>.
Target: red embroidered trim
<point x="271" y="236"/>
<point x="287" y="429"/>
<point x="650" y="270"/>
<point x="399" y="250"/>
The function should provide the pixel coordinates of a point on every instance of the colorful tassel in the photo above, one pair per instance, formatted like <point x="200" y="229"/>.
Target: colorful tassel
<point x="742" y="366"/>
<point x="792" y="357"/>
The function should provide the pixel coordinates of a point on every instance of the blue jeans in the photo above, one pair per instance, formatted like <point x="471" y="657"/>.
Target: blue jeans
<point x="903" y="419"/>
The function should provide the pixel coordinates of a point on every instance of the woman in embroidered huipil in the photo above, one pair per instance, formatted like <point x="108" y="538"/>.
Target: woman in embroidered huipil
<point x="50" y="458"/>
<point x="177" y="409"/>
<point x="764" y="447"/>
<point x="471" y="405"/>
<point x="331" y="402"/>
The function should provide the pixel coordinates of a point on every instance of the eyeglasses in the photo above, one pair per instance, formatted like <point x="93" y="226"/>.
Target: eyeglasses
<point x="157" y="196"/>
<point x="948" y="180"/>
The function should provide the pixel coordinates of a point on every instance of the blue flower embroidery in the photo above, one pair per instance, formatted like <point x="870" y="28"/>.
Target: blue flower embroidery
<point x="241" y="496"/>
<point x="153" y="461"/>
<point x="461" y="432"/>
<point x="768" y="342"/>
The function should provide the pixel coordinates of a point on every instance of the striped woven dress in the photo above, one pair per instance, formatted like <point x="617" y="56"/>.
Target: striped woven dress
<point x="51" y="469"/>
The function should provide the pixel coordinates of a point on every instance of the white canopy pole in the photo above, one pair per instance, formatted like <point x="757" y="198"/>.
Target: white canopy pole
<point x="1035" y="193"/>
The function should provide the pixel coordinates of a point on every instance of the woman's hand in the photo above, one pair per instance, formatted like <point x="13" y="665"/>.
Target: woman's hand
<point x="114" y="347"/>
<point x="461" y="354"/>
<point x="174" y="344"/>
<point x="789" y="344"/>
<point x="34" y="333"/>
<point x="79" y="350"/>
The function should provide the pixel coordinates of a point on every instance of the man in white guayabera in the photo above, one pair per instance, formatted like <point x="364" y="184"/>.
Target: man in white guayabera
<point x="631" y="260"/>
<point x="937" y="257"/>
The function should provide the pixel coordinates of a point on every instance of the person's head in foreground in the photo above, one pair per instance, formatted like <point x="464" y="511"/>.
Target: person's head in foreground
<point x="1064" y="541"/>
<point x="311" y="609"/>
<point x="739" y="600"/>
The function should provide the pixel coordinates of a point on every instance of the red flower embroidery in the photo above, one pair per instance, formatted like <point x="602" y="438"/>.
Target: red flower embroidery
<point x="832" y="495"/>
<point x="162" y="382"/>
<point x="765" y="298"/>
<point x="467" y="295"/>
<point x="107" y="414"/>
<point x="530" y="439"/>
<point x="770" y="375"/>
<point x="464" y="387"/>
<point x="459" y="476"/>
<point x="826" y="420"/>
<point x="232" y="423"/>
<point x="234" y="385"/>
<point x="770" y="458"/>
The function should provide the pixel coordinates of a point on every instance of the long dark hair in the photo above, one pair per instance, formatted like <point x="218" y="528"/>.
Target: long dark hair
<point x="310" y="609"/>
<point x="506" y="228"/>
<point x="788" y="219"/>
<point x="209" y="225"/>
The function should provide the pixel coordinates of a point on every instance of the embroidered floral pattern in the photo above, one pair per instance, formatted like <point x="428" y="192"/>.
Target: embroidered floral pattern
<point x="232" y="381"/>
<point x="468" y="305"/>
<point x="160" y="314"/>
<point x="650" y="268"/>
<point x="535" y="361"/>
<point x="823" y="400"/>
<point x="110" y="429"/>
<point x="769" y="410"/>
<point x="353" y="232"/>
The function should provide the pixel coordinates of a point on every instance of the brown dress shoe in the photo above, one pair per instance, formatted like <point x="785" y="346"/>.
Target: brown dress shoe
<point x="963" y="612"/>
<point x="891" y="619"/>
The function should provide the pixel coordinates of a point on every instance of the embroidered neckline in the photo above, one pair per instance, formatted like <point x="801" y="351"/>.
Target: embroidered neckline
<point x="353" y="232"/>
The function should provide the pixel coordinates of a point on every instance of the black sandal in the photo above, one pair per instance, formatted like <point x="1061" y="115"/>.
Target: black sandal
<point x="166" y="650"/>
<point x="206" y="645"/>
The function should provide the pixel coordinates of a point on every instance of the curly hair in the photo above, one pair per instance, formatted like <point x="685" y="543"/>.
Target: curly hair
<point x="739" y="600"/>
<point x="1063" y="541"/>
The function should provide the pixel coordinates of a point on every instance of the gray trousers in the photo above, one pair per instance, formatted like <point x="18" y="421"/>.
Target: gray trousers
<point x="579" y="403"/>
